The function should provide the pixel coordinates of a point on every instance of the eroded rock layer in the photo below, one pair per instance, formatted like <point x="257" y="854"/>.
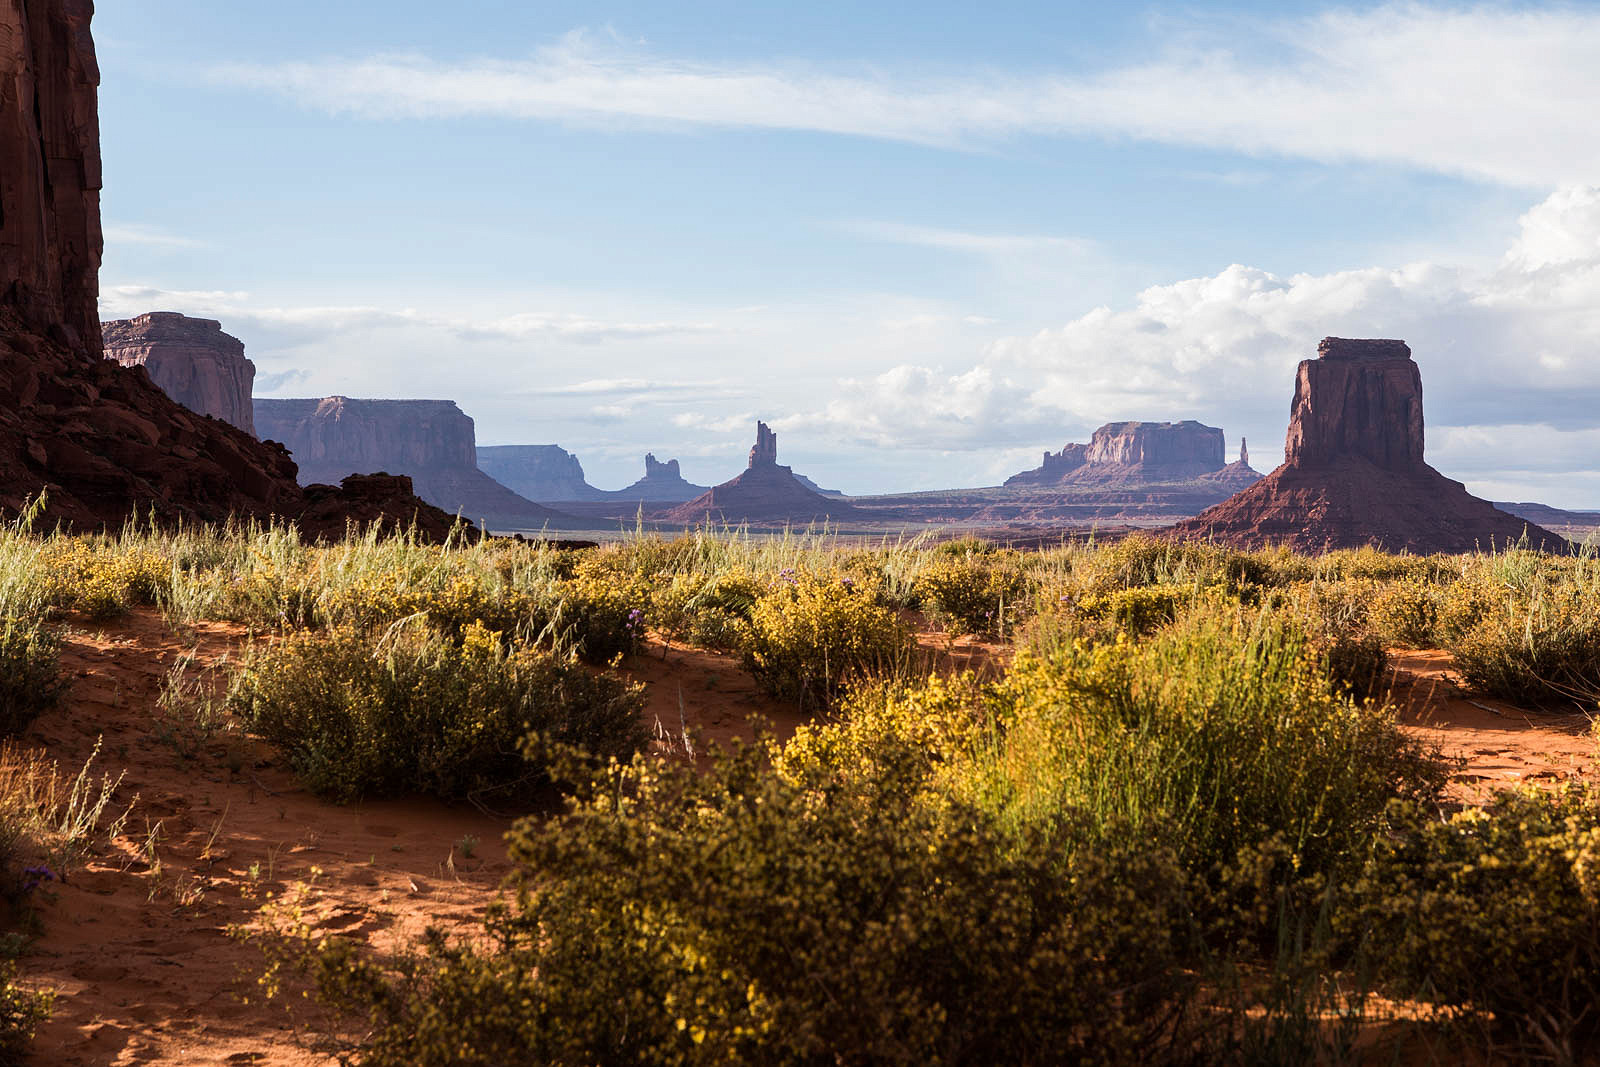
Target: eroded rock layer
<point x="192" y="360"/>
<point x="542" y="473"/>
<point x="1355" y="473"/>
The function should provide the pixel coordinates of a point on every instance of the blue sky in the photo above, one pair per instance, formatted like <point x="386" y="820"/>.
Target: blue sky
<point x="924" y="241"/>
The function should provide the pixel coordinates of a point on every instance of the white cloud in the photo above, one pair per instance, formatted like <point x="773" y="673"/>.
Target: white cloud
<point x="1492" y="92"/>
<point x="983" y="244"/>
<point x="1510" y="359"/>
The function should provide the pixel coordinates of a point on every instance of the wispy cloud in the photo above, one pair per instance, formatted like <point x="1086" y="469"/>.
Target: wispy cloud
<point x="133" y="233"/>
<point x="983" y="244"/>
<point x="1486" y="91"/>
<point x="118" y="301"/>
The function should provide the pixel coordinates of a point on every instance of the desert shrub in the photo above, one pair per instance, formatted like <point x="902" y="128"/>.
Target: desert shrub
<point x="1539" y="644"/>
<point x="1495" y="910"/>
<point x="1141" y="559"/>
<point x="981" y="593"/>
<point x="810" y="634"/>
<point x="21" y="1011"/>
<point x="30" y="673"/>
<point x="1139" y="610"/>
<point x="735" y="915"/>
<point x="1405" y="613"/>
<point x="451" y="602"/>
<point x="1335" y="617"/>
<point x="600" y="613"/>
<point x="416" y="710"/>
<point x="1223" y="730"/>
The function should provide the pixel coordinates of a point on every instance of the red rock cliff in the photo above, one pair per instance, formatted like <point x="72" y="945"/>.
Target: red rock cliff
<point x="50" y="241"/>
<point x="192" y="360"/>
<point x="1357" y="398"/>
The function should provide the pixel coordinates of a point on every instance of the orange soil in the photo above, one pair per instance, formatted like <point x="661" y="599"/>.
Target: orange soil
<point x="141" y="956"/>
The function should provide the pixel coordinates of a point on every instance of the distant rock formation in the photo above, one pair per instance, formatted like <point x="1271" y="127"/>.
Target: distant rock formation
<point x="433" y="442"/>
<point x="662" y="483"/>
<point x="1355" y="473"/>
<point x="101" y="440"/>
<point x="815" y="488"/>
<point x="192" y="360"/>
<point x="1131" y="454"/>
<point x="1056" y="466"/>
<point x="765" y="493"/>
<point x="543" y="473"/>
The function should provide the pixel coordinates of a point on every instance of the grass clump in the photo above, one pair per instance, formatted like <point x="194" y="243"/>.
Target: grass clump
<point x="810" y="634"/>
<point x="414" y="709"/>
<point x="1536" y="643"/>
<point x="30" y="673"/>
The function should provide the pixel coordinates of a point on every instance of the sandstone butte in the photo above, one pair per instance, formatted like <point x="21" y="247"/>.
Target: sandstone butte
<point x="542" y="473"/>
<point x="433" y="442"/>
<point x="102" y="441"/>
<point x="1355" y="474"/>
<point x="1132" y="454"/>
<point x="192" y="360"/>
<point x="765" y="493"/>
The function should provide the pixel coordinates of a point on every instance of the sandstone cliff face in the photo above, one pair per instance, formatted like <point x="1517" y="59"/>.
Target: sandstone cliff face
<point x="1357" y="398"/>
<point x="543" y="473"/>
<point x="192" y="360"/>
<point x="433" y="442"/>
<point x="50" y="240"/>
<point x="765" y="493"/>
<point x="1131" y="454"/>
<point x="100" y="439"/>
<point x="1355" y="473"/>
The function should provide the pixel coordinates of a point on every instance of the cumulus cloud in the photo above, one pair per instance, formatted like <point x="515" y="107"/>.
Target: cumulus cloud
<point x="1487" y="91"/>
<point x="1510" y="358"/>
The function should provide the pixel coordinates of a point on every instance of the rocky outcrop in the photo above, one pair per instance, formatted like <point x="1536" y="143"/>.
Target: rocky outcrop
<point x="542" y="473"/>
<point x="662" y="483"/>
<point x="50" y="240"/>
<point x="100" y="441"/>
<point x="192" y="360"/>
<point x="433" y="442"/>
<point x="1355" y="473"/>
<point x="766" y="493"/>
<point x="1056" y="466"/>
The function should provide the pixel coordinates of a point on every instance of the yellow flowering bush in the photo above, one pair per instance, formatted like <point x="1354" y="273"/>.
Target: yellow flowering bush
<point x="30" y="673"/>
<point x="809" y="634"/>
<point x="1495" y="910"/>
<point x="978" y="593"/>
<point x="101" y="578"/>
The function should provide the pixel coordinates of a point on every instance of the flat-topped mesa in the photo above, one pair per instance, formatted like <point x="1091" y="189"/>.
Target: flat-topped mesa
<point x="192" y="360"/>
<point x="1357" y="399"/>
<point x="542" y="473"/>
<point x="1156" y="445"/>
<point x="764" y="453"/>
<point x="50" y="241"/>
<point x="433" y="442"/>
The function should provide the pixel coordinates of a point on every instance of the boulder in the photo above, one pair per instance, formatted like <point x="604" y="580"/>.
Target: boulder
<point x="1354" y="473"/>
<point x="192" y="360"/>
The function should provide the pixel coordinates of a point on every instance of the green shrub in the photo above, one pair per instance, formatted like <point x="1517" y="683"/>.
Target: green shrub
<point x="30" y="673"/>
<point x="1139" y="610"/>
<point x="1495" y="910"/>
<point x="418" y="711"/>
<point x="811" y="634"/>
<point x="977" y="594"/>
<point x="1223" y="730"/>
<point x="738" y="916"/>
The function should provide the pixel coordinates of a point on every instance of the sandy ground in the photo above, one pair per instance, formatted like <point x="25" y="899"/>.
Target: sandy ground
<point x="137" y="943"/>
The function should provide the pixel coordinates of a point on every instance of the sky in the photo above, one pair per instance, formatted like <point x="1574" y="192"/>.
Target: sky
<point x="925" y="242"/>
